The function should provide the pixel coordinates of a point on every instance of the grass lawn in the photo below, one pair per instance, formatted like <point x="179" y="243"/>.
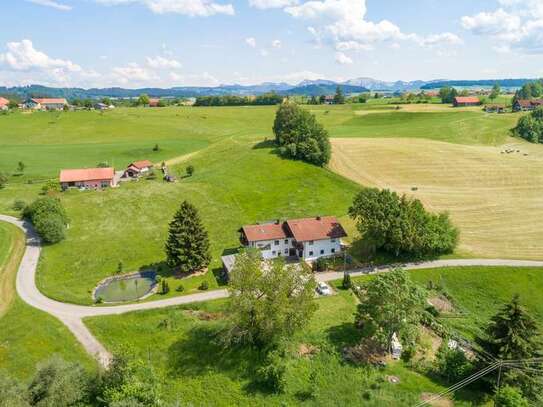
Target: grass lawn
<point x="27" y="336"/>
<point x="238" y="178"/>
<point x="197" y="371"/>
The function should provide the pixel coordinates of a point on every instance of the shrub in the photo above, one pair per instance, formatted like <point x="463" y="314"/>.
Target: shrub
<point x="50" y="186"/>
<point x="46" y="205"/>
<point x="180" y="288"/>
<point x="19" y="205"/>
<point x="50" y="227"/>
<point x="320" y="265"/>
<point x="190" y="170"/>
<point x="509" y="396"/>
<point x="452" y="364"/>
<point x="272" y="373"/>
<point x="204" y="286"/>
<point x="103" y="164"/>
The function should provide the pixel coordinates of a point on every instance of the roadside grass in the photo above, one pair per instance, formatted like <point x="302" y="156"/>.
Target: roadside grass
<point x="196" y="370"/>
<point x="27" y="336"/>
<point x="493" y="197"/>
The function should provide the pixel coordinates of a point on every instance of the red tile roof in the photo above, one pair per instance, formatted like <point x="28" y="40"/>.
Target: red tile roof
<point x="318" y="228"/>
<point x="466" y="99"/>
<point x="268" y="231"/>
<point x="86" y="174"/>
<point x="55" y="101"/>
<point x="141" y="164"/>
<point x="4" y="101"/>
<point x="154" y="101"/>
<point x="530" y="102"/>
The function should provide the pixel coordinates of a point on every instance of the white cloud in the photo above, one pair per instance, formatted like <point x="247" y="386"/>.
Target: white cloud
<point x="276" y="44"/>
<point x="343" y="59"/>
<point x="133" y="72"/>
<point x="52" y="4"/>
<point x="22" y="56"/>
<point x="193" y="8"/>
<point x="162" y="63"/>
<point x="267" y="4"/>
<point x="343" y="24"/>
<point x="296" y="77"/>
<point x="264" y="52"/>
<point x="250" y="42"/>
<point x="516" y="26"/>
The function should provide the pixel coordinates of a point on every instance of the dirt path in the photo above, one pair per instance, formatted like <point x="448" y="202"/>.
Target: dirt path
<point x="72" y="315"/>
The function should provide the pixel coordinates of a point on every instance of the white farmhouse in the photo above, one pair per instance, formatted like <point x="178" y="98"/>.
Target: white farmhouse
<point x="308" y="238"/>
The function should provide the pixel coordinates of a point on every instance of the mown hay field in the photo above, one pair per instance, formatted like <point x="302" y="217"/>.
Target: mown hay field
<point x="495" y="198"/>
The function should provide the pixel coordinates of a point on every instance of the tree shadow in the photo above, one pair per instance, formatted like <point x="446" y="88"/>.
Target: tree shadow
<point x="343" y="335"/>
<point x="200" y="352"/>
<point x="265" y="144"/>
<point x="160" y="268"/>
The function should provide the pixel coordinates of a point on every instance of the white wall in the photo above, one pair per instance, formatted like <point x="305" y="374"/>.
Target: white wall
<point x="321" y="248"/>
<point x="274" y="250"/>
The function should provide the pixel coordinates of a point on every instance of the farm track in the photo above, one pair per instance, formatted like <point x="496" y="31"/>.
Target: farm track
<point x="72" y="315"/>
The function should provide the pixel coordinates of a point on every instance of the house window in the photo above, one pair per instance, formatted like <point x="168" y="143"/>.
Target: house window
<point x="333" y="250"/>
<point x="311" y="253"/>
<point x="322" y="251"/>
<point x="286" y="241"/>
<point x="276" y="243"/>
<point x="286" y="251"/>
<point x="311" y="243"/>
<point x="274" y="252"/>
<point x="333" y="240"/>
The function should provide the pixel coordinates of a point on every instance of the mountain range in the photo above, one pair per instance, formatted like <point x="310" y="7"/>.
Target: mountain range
<point x="305" y="87"/>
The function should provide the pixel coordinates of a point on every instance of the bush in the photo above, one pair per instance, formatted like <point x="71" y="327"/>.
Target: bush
<point x="48" y="217"/>
<point x="180" y="288"/>
<point x="50" y="227"/>
<point x="320" y="265"/>
<point x="190" y="170"/>
<point x="272" y="373"/>
<point x="509" y="396"/>
<point x="50" y="186"/>
<point x="3" y="180"/>
<point x="19" y="205"/>
<point x="452" y="364"/>
<point x="204" y="286"/>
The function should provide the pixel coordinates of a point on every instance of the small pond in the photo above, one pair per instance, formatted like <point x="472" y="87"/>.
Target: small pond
<point x="126" y="288"/>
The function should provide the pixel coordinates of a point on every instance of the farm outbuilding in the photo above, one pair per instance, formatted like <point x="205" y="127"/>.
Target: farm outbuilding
<point x="462" y="101"/>
<point x="89" y="178"/>
<point x="137" y="169"/>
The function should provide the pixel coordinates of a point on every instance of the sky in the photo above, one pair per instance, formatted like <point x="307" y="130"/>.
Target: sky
<point x="165" y="43"/>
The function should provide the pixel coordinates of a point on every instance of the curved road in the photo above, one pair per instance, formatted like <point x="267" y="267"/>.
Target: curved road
<point x="72" y="315"/>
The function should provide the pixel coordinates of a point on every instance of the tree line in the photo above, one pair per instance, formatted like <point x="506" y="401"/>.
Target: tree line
<point x="270" y="98"/>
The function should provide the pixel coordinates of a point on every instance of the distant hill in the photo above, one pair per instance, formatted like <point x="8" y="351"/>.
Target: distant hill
<point x="377" y="85"/>
<point x="505" y="83"/>
<point x="324" y="89"/>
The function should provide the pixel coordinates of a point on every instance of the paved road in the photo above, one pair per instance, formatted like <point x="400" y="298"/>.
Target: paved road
<point x="72" y="315"/>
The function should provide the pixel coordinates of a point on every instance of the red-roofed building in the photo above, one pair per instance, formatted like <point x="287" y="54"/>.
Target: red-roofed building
<point x="308" y="238"/>
<point x="4" y="103"/>
<point x="527" y="104"/>
<point x="154" y="102"/>
<point x="91" y="178"/>
<point x="466" y="101"/>
<point x="137" y="169"/>
<point x="45" y="103"/>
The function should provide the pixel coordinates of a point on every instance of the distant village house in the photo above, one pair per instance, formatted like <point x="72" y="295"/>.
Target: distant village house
<point x="4" y="103"/>
<point x="90" y="178"/>
<point x="45" y="103"/>
<point x="154" y="102"/>
<point x="308" y="239"/>
<point x="137" y="169"/>
<point x="527" y="105"/>
<point x="462" y="101"/>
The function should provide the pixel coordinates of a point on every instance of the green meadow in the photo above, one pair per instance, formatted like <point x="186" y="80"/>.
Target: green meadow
<point x="238" y="178"/>
<point x="27" y="336"/>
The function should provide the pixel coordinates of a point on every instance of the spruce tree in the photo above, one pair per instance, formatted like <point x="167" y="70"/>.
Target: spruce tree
<point x="187" y="246"/>
<point x="512" y="333"/>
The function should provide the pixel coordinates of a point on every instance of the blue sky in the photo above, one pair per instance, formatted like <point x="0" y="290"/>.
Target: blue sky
<point x="134" y="43"/>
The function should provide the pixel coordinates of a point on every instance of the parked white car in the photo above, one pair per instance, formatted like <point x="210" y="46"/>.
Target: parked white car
<point x="323" y="288"/>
